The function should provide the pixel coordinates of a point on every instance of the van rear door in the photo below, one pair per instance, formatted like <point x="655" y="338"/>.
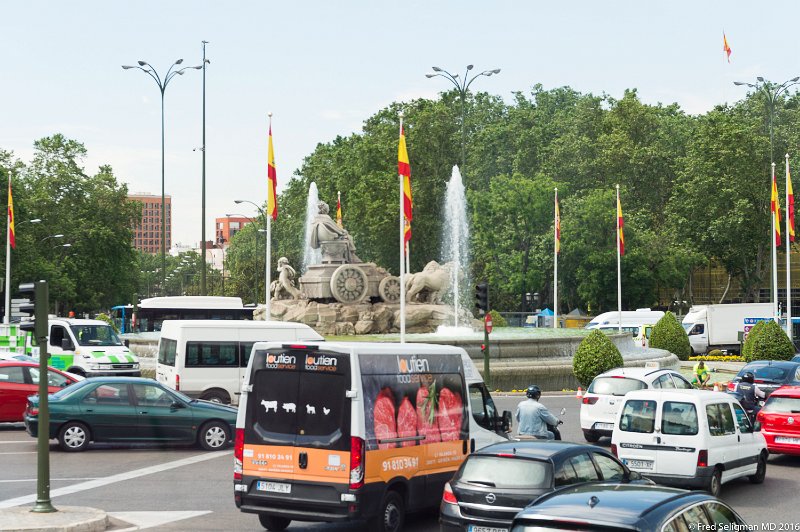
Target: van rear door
<point x="297" y="431"/>
<point x="680" y="439"/>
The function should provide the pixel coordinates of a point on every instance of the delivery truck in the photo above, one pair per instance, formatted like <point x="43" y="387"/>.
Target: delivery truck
<point x="718" y="326"/>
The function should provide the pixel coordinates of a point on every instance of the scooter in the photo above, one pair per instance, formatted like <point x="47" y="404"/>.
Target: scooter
<point x="554" y="428"/>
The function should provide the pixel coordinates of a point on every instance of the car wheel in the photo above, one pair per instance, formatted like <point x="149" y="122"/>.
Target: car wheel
<point x="214" y="436"/>
<point x="216" y="396"/>
<point x="392" y="514"/>
<point x="591" y="436"/>
<point x="273" y="522"/>
<point x="715" y="482"/>
<point x="761" y="470"/>
<point x="73" y="437"/>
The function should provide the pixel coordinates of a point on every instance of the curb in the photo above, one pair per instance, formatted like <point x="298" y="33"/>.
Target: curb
<point x="66" y="519"/>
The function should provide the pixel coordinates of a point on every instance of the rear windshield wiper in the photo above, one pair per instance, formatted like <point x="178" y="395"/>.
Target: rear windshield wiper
<point x="482" y="482"/>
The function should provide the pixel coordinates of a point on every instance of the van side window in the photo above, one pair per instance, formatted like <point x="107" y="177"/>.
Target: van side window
<point x="244" y="353"/>
<point x="482" y="406"/>
<point x="720" y="419"/>
<point x="638" y="416"/>
<point x="742" y="419"/>
<point x="215" y="354"/>
<point x="678" y="418"/>
<point x="698" y="328"/>
<point x="57" y="333"/>
<point x="166" y="351"/>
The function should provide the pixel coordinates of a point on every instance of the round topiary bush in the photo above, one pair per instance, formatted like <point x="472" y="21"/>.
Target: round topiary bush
<point x="668" y="334"/>
<point x="715" y="353"/>
<point x="771" y="343"/>
<point x="497" y="319"/>
<point x="595" y="355"/>
<point x="747" y="348"/>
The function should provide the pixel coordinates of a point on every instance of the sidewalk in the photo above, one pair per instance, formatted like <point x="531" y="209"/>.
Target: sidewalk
<point x="66" y="519"/>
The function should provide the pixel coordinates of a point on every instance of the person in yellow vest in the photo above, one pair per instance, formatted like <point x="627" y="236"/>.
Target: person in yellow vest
<point x="701" y="375"/>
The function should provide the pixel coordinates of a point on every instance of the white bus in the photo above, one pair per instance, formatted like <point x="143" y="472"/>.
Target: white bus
<point x="630" y="319"/>
<point x="153" y="311"/>
<point x="207" y="359"/>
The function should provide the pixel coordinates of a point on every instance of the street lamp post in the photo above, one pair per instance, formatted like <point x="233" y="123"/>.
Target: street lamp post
<point x="266" y="250"/>
<point x="162" y="83"/>
<point x="203" y="231"/>
<point x="462" y="86"/>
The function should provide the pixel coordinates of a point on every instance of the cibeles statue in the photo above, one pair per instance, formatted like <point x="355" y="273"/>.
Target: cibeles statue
<point x="284" y="286"/>
<point x="336" y="245"/>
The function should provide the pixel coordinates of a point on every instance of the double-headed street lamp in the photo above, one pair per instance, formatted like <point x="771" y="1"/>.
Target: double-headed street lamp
<point x="462" y="86"/>
<point x="771" y="92"/>
<point x="162" y="83"/>
<point x="266" y="250"/>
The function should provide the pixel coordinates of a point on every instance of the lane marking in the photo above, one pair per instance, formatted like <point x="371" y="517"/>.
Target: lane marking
<point x="21" y="452"/>
<point x="51" y="480"/>
<point x="143" y="520"/>
<point x="32" y="440"/>
<point x="113" y="479"/>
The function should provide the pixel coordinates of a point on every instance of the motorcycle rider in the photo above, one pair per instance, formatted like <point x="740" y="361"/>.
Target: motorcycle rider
<point x="533" y="417"/>
<point x="750" y="393"/>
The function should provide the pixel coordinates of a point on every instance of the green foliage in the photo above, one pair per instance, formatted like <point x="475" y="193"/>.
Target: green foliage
<point x="106" y="318"/>
<point x="668" y="334"/>
<point x="750" y="341"/>
<point x="715" y="353"/>
<point x="595" y="355"/>
<point x="497" y="319"/>
<point x="771" y="343"/>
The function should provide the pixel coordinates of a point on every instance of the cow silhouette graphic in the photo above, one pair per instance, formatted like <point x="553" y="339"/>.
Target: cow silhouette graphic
<point x="270" y="404"/>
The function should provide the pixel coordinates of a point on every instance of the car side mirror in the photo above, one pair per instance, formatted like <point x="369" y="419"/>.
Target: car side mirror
<point x="126" y="342"/>
<point x="634" y="475"/>
<point x="66" y="344"/>
<point x="176" y="405"/>
<point x="506" y="422"/>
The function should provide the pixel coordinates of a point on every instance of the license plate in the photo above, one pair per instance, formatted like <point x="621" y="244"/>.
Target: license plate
<point x="784" y="439"/>
<point x="639" y="464"/>
<point x="275" y="487"/>
<point x="604" y="426"/>
<point x="476" y="528"/>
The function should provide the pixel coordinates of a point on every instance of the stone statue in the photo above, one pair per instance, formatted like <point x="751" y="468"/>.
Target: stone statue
<point x="429" y="285"/>
<point x="284" y="287"/>
<point x="335" y="242"/>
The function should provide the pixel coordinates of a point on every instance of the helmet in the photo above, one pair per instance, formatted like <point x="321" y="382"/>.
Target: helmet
<point x="533" y="392"/>
<point x="748" y="377"/>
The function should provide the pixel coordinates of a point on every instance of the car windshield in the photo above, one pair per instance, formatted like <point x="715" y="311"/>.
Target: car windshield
<point x="767" y="373"/>
<point x="505" y="472"/>
<point x="615" y="385"/>
<point x="95" y="335"/>
<point x="782" y="405"/>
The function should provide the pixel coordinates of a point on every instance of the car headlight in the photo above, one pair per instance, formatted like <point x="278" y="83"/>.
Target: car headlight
<point x="136" y="365"/>
<point x="94" y="366"/>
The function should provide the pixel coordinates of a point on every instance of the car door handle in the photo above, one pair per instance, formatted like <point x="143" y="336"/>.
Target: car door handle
<point x="303" y="460"/>
<point x="143" y="412"/>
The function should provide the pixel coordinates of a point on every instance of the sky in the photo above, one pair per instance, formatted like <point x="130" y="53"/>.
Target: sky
<point x="323" y="68"/>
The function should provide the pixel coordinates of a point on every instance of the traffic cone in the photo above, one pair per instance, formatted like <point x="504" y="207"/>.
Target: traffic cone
<point x="716" y="386"/>
<point x="579" y="393"/>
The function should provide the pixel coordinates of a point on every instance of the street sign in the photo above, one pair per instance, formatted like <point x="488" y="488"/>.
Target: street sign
<point x="488" y="323"/>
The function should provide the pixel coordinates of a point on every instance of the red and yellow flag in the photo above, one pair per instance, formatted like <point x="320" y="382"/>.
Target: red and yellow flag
<point x="404" y="169"/>
<point x="776" y="211"/>
<point x="790" y="203"/>
<point x="339" y="210"/>
<point x="620" y="224"/>
<point x="725" y="47"/>
<point x="558" y="226"/>
<point x="272" y="175"/>
<point x="11" y="232"/>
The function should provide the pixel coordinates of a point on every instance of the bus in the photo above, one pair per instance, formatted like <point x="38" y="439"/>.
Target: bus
<point x="122" y="317"/>
<point x="153" y="311"/>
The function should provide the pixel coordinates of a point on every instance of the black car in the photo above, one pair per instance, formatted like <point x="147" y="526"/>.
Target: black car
<point x="608" y="506"/>
<point x="769" y="375"/>
<point x="496" y="482"/>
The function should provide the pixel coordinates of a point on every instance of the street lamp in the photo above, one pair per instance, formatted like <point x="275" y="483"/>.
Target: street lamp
<point x="162" y="83"/>
<point x="771" y="92"/>
<point x="462" y="86"/>
<point x="51" y="236"/>
<point x="266" y="248"/>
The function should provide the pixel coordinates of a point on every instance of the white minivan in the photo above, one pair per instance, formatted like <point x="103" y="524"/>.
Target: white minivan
<point x="688" y="438"/>
<point x="206" y="359"/>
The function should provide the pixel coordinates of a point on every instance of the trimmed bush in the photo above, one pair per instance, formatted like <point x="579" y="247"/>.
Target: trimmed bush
<point x="595" y="355"/>
<point x="715" y="353"/>
<point x="668" y="334"/>
<point x="771" y="343"/>
<point x="747" y="348"/>
<point x="497" y="319"/>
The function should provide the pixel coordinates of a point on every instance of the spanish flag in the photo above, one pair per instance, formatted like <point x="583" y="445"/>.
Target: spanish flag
<point x="272" y="175"/>
<point x="776" y="211"/>
<point x="339" y="210"/>
<point x="404" y="169"/>
<point x="725" y="47"/>
<point x="620" y="225"/>
<point x="789" y="203"/>
<point x="558" y="226"/>
<point x="11" y="231"/>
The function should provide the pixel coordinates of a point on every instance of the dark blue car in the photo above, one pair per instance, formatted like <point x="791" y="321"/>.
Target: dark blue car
<point x="769" y="374"/>
<point x="627" y="507"/>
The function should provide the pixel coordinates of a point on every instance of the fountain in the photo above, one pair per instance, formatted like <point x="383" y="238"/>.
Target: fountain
<point x="311" y="256"/>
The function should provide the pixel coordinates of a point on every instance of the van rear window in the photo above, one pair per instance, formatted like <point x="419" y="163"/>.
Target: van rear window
<point x="638" y="415"/>
<point x="166" y="351"/>
<point x="679" y="418"/>
<point x="615" y="385"/>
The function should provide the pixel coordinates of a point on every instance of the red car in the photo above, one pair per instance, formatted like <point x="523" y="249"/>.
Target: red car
<point x="780" y="420"/>
<point x="19" y="380"/>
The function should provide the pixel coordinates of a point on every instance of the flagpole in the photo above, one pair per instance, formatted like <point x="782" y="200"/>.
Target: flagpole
<point x="268" y="246"/>
<point x="408" y="257"/>
<point x="555" y="263"/>
<point x="619" y="269"/>
<point x="7" y="316"/>
<point x="402" y="255"/>
<point x="776" y="206"/>
<point x="788" y="255"/>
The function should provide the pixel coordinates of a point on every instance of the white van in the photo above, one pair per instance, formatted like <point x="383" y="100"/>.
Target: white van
<point x="688" y="438"/>
<point x="343" y="432"/>
<point x="206" y="359"/>
<point x="630" y="319"/>
<point x="89" y="348"/>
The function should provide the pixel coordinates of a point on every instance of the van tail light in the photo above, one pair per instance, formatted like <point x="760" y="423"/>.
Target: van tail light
<point x="731" y="386"/>
<point x="448" y="496"/>
<point x="614" y="449"/>
<point x="589" y="400"/>
<point x="702" y="458"/>
<point x="356" y="463"/>
<point x="178" y="382"/>
<point x="238" y="454"/>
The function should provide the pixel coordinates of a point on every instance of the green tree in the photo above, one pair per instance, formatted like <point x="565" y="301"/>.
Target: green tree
<point x="596" y="354"/>
<point x="771" y="343"/>
<point x="668" y="334"/>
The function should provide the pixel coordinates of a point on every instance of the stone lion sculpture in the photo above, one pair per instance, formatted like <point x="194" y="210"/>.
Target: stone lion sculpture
<point x="283" y="287"/>
<point x="429" y="285"/>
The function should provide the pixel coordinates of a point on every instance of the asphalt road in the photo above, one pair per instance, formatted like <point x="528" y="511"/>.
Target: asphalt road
<point x="188" y="489"/>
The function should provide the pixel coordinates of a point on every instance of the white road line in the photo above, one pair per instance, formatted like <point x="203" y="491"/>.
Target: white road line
<point x="51" y="480"/>
<point x="21" y="452"/>
<point x="113" y="479"/>
<point x="144" y="520"/>
<point x="32" y="440"/>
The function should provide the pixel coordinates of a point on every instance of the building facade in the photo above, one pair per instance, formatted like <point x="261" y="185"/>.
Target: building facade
<point x="227" y="227"/>
<point x="147" y="236"/>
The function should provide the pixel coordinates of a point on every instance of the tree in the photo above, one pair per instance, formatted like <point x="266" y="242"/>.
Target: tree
<point x="668" y="334"/>
<point x="596" y="354"/>
<point x="770" y="343"/>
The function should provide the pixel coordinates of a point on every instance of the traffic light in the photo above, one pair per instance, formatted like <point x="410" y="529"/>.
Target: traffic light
<point x="482" y="297"/>
<point x="37" y="307"/>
